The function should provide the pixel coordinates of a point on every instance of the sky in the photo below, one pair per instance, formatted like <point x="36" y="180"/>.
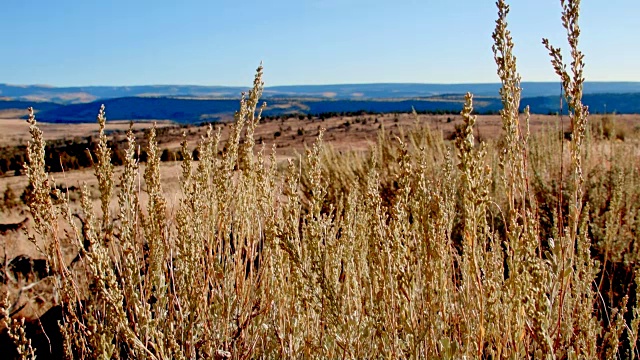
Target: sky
<point x="209" y="42"/>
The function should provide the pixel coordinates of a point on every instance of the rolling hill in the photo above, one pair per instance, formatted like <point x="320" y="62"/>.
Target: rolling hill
<point x="87" y="94"/>
<point x="205" y="110"/>
<point x="194" y="104"/>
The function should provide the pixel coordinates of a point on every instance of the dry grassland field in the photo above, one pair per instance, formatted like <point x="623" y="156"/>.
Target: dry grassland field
<point x="396" y="236"/>
<point x="290" y="134"/>
<point x="292" y="138"/>
<point x="343" y="134"/>
<point x="15" y="131"/>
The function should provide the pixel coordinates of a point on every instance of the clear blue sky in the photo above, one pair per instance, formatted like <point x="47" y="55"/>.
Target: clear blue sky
<point x="208" y="42"/>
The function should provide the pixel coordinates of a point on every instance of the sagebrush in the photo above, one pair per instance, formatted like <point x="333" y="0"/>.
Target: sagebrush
<point x="421" y="248"/>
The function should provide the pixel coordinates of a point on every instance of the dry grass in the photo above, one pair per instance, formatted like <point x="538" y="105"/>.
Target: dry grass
<point x="14" y="131"/>
<point x="523" y="246"/>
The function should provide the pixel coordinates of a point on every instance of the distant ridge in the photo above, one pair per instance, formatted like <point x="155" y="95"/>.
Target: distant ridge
<point x="88" y="94"/>
<point x="194" y="104"/>
<point x="191" y="110"/>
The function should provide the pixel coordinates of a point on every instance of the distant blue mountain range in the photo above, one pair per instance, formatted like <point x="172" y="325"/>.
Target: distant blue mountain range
<point x="189" y="104"/>
<point x="85" y="94"/>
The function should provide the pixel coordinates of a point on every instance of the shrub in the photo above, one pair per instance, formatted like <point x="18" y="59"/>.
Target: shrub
<point x="9" y="199"/>
<point x="167" y="155"/>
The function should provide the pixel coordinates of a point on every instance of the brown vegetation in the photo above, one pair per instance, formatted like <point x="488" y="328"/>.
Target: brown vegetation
<point x="519" y="246"/>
